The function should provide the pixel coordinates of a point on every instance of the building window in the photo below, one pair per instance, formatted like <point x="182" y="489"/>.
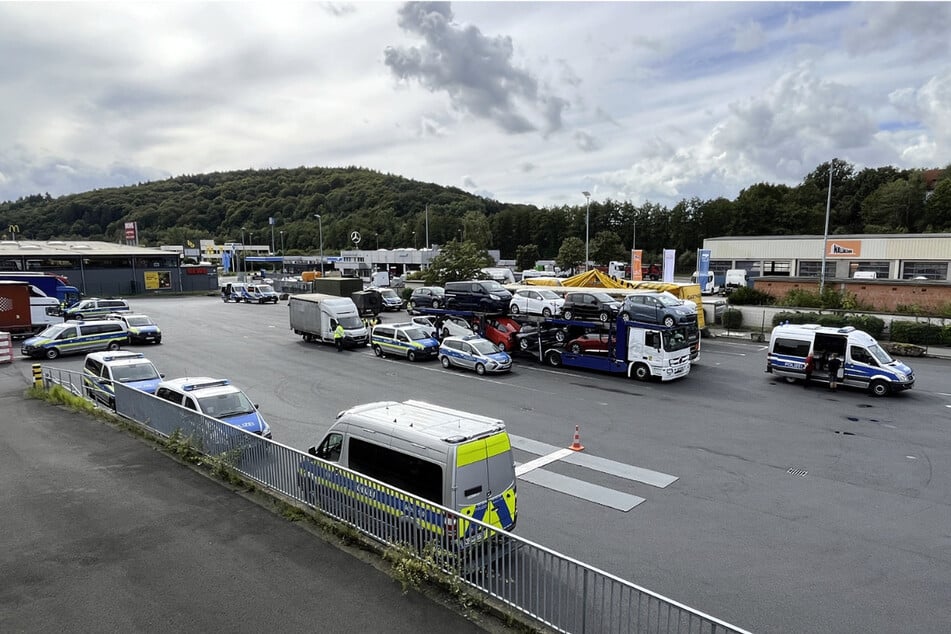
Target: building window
<point x="774" y="267"/>
<point x="881" y="269"/>
<point x="720" y="266"/>
<point x="751" y="266"/>
<point x="811" y="268"/>
<point x="929" y="270"/>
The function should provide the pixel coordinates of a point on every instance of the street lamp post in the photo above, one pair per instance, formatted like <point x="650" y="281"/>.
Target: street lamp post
<point x="244" y="256"/>
<point x="414" y="240"/>
<point x="320" y="228"/>
<point x="825" y="236"/>
<point x="587" y="222"/>
<point x="283" y="268"/>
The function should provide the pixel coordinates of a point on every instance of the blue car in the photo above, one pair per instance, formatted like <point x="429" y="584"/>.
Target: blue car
<point x="474" y="353"/>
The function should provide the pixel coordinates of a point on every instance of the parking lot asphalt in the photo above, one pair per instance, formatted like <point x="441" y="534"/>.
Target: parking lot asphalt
<point x="101" y="533"/>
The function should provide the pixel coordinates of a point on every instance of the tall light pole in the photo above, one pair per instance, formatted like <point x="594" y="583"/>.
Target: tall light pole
<point x="244" y="256"/>
<point x="587" y="219"/>
<point x="283" y="267"/>
<point x="428" y="243"/>
<point x="320" y="228"/>
<point x="825" y="236"/>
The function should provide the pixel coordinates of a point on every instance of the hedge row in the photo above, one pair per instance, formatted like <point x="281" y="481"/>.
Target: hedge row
<point x="920" y="333"/>
<point x="869" y="323"/>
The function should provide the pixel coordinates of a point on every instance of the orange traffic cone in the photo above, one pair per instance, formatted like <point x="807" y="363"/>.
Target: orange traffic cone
<point x="576" y="442"/>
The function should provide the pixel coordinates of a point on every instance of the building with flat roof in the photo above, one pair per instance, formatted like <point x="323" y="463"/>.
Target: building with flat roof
<point x="902" y="256"/>
<point x="104" y="269"/>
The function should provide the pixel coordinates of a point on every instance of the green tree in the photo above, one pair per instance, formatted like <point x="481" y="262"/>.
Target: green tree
<point x="894" y="207"/>
<point x="606" y="246"/>
<point x="938" y="207"/>
<point x="525" y="256"/>
<point x="571" y="253"/>
<point x="457" y="261"/>
<point x="475" y="229"/>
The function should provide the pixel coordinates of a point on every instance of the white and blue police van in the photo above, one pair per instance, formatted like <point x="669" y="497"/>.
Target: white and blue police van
<point x="216" y="398"/>
<point x="864" y="364"/>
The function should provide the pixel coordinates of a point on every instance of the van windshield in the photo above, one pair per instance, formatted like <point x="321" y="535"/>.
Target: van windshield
<point x="265" y="288"/>
<point x="415" y="334"/>
<point x="350" y="322"/>
<point x="880" y="355"/>
<point x="492" y="286"/>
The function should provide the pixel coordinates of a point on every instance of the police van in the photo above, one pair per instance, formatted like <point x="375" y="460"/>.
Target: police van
<point x="864" y="363"/>
<point x="448" y="457"/>
<point x="406" y="340"/>
<point x="96" y="307"/>
<point x="102" y="370"/>
<point x="72" y="337"/>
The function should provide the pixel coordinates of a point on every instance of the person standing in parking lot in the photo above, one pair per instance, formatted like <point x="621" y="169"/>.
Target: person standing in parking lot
<point x="810" y="366"/>
<point x="339" y="334"/>
<point x="834" y="364"/>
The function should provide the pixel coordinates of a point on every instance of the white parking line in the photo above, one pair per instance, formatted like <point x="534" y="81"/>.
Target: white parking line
<point x="522" y="469"/>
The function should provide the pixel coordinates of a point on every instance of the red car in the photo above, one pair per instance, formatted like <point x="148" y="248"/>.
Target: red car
<point x="593" y="342"/>
<point x="501" y="331"/>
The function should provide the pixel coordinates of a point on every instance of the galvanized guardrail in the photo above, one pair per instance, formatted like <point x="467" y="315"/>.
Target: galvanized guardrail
<point x="557" y="591"/>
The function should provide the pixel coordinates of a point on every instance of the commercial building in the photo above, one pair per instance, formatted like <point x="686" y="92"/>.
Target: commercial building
<point x="889" y="256"/>
<point x="105" y="269"/>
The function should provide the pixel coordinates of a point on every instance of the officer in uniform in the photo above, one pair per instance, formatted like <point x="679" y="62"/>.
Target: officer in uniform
<point x="339" y="334"/>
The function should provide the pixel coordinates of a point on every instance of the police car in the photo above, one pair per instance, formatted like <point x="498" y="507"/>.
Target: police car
<point x="216" y="398"/>
<point x="141" y="327"/>
<point x="103" y="369"/>
<point x="473" y="353"/>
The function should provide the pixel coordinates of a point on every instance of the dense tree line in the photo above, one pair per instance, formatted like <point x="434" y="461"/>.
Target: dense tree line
<point x="390" y="212"/>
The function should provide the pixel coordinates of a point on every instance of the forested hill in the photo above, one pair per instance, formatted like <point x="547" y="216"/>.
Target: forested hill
<point x="390" y="211"/>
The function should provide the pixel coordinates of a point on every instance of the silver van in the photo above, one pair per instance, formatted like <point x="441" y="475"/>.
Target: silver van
<point x="452" y="458"/>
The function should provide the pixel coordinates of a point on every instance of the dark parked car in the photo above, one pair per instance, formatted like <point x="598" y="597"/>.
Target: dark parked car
<point x="427" y="297"/>
<point x="487" y="296"/>
<point x="527" y="337"/>
<point x="588" y="305"/>
<point x="658" y="308"/>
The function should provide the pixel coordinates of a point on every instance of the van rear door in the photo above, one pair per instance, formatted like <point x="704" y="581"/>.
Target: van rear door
<point x="485" y="481"/>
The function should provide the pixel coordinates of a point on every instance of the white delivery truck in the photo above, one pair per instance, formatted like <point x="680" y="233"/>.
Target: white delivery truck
<point x="315" y="316"/>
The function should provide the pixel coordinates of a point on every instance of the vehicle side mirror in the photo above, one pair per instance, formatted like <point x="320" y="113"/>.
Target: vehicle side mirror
<point x="312" y="450"/>
<point x="161" y="375"/>
<point x="255" y="405"/>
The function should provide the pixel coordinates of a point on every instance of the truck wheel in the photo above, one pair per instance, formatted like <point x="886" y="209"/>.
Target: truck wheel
<point x="480" y="369"/>
<point x="52" y="353"/>
<point x="411" y="355"/>
<point x="879" y="388"/>
<point x="669" y="321"/>
<point x="567" y="314"/>
<point x="641" y="372"/>
<point x="446" y="362"/>
<point x="553" y="358"/>
<point x="378" y="351"/>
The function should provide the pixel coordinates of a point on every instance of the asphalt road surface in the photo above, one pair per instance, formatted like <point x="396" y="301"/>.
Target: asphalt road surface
<point x="101" y="533"/>
<point x="788" y="509"/>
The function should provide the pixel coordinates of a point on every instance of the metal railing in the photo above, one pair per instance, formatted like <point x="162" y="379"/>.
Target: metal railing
<point x="557" y="591"/>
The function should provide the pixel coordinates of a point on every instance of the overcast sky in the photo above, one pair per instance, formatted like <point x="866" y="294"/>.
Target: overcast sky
<point x="520" y="102"/>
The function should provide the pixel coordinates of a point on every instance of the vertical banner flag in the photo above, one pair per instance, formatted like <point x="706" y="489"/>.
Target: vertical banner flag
<point x="703" y="268"/>
<point x="226" y="261"/>
<point x="636" y="271"/>
<point x="131" y="233"/>
<point x="669" y="259"/>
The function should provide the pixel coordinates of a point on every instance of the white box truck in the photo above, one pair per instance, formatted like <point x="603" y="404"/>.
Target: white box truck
<point x="315" y="316"/>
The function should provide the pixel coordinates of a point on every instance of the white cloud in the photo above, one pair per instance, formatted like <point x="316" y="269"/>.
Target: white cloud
<point x="533" y="101"/>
